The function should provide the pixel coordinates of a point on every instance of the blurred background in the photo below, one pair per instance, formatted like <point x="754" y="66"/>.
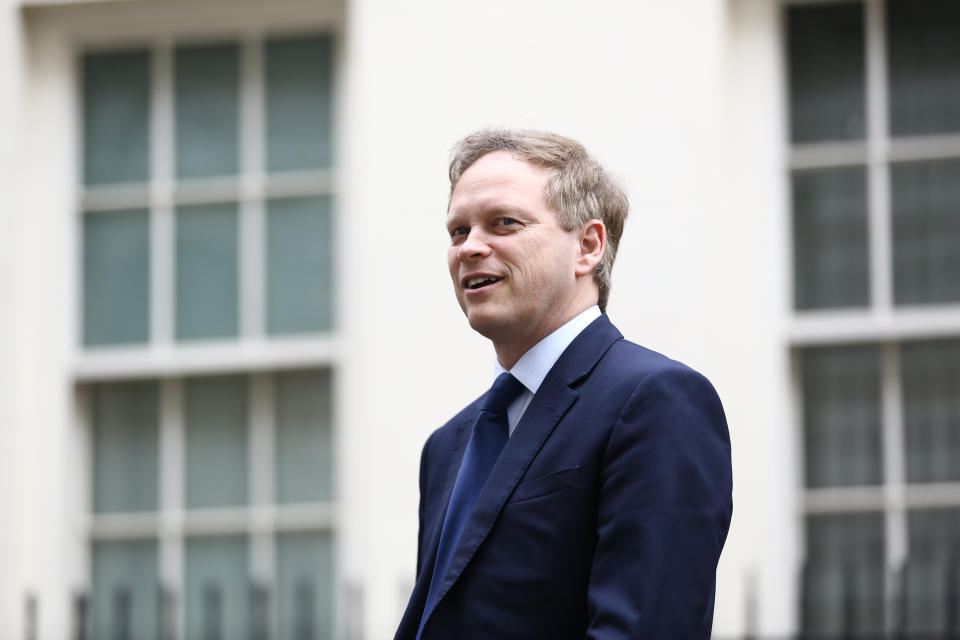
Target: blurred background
<point x="226" y="327"/>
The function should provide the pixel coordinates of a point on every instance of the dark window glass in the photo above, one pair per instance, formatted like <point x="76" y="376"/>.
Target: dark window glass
<point x="845" y="573"/>
<point x="304" y="453"/>
<point x="934" y="562"/>
<point x="924" y="58"/>
<point x="831" y="259"/>
<point x="841" y="411"/>
<point x="116" y="117"/>
<point x="826" y="58"/>
<point x="217" y="455"/>
<point x="207" y="99"/>
<point x="926" y="231"/>
<point x="217" y="584"/>
<point x="207" y="267"/>
<point x="930" y="373"/>
<point x="125" y="589"/>
<point x="299" y="103"/>
<point x="125" y="447"/>
<point x="116" y="277"/>
<point x="299" y="265"/>
<point x="305" y="585"/>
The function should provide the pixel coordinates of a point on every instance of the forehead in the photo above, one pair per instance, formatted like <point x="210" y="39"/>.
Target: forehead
<point x="503" y="180"/>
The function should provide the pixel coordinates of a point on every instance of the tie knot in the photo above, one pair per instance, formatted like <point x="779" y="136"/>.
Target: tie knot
<point x="505" y="390"/>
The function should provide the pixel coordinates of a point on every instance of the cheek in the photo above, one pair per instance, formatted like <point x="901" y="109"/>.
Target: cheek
<point x="543" y="267"/>
<point x="452" y="262"/>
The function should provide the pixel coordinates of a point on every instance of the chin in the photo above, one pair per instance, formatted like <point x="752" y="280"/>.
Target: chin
<point x="489" y="325"/>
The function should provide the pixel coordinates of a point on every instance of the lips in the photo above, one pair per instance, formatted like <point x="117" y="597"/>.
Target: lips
<point x="474" y="283"/>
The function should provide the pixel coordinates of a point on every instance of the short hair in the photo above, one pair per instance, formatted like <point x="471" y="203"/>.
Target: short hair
<point x="579" y="189"/>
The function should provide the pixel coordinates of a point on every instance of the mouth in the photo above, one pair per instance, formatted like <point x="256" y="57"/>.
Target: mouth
<point x="479" y="282"/>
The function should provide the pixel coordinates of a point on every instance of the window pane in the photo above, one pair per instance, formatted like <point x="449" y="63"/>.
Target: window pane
<point x="126" y="589"/>
<point x="924" y="43"/>
<point x="125" y="450"/>
<point x="207" y="294"/>
<point x="826" y="72"/>
<point x="931" y="405"/>
<point x="217" y="594"/>
<point x="299" y="265"/>
<point x="933" y="560"/>
<point x="845" y="572"/>
<point x="841" y="409"/>
<point x="207" y="98"/>
<point x="116" y="257"/>
<point x="299" y="78"/>
<point x="305" y="585"/>
<point x="116" y="117"/>
<point x="926" y="231"/>
<point x="831" y="265"/>
<point x="303" y="444"/>
<point x="216" y="424"/>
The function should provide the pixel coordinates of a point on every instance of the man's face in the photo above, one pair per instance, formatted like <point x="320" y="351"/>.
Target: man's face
<point x="512" y="264"/>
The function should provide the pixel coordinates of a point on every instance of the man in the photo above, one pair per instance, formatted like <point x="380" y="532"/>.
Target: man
<point x="588" y="493"/>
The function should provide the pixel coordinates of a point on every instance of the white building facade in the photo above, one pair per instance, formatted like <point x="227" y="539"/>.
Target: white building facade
<point x="227" y="326"/>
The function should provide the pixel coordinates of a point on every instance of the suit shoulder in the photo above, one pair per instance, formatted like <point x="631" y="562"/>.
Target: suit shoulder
<point x="634" y="376"/>
<point x="635" y="363"/>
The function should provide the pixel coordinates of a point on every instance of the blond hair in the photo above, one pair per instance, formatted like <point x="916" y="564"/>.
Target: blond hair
<point x="579" y="190"/>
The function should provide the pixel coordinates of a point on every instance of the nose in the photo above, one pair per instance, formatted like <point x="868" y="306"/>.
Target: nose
<point x="474" y="245"/>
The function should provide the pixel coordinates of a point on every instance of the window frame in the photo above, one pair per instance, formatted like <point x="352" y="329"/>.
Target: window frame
<point x="253" y="353"/>
<point x="881" y="322"/>
<point x="251" y="189"/>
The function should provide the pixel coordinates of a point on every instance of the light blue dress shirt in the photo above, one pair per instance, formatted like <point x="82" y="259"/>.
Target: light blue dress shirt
<point x="533" y="366"/>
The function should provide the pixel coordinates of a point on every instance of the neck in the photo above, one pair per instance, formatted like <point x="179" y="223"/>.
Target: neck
<point x="507" y="356"/>
<point x="509" y="351"/>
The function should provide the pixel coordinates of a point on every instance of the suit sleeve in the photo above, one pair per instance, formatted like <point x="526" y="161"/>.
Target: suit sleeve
<point x="664" y="507"/>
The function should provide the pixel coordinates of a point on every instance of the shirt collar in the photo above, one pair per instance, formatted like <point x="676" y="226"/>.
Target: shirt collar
<point x="533" y="366"/>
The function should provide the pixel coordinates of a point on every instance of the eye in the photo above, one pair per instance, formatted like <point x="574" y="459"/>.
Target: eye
<point x="506" y="220"/>
<point x="459" y="232"/>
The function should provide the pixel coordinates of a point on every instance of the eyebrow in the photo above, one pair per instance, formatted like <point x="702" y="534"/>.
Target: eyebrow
<point x="453" y="220"/>
<point x="499" y="209"/>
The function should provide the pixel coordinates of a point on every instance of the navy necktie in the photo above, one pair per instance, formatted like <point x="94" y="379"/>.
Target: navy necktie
<point x="490" y="433"/>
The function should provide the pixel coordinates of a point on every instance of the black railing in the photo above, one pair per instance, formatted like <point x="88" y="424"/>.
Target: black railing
<point x="896" y="603"/>
<point x="855" y="615"/>
<point x="119" y="621"/>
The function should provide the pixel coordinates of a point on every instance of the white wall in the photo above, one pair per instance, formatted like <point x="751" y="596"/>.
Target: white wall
<point x="764" y="536"/>
<point x="700" y="273"/>
<point x="10" y="77"/>
<point x="48" y="546"/>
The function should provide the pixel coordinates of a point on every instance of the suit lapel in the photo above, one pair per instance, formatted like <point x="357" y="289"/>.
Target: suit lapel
<point x="551" y="402"/>
<point x="521" y="448"/>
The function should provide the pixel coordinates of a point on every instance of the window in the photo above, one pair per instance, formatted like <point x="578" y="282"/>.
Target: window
<point x="874" y="147"/>
<point x="208" y="215"/>
<point x="235" y="495"/>
<point x="206" y="229"/>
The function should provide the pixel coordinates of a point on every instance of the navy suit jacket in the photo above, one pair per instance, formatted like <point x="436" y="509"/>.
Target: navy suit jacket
<point x="604" y="516"/>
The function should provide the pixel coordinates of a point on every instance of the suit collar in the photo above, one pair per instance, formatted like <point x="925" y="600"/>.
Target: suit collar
<point x="554" y="398"/>
<point x="535" y="364"/>
<point x="585" y="351"/>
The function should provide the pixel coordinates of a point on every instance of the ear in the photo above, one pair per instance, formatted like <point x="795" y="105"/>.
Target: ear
<point x="593" y="241"/>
